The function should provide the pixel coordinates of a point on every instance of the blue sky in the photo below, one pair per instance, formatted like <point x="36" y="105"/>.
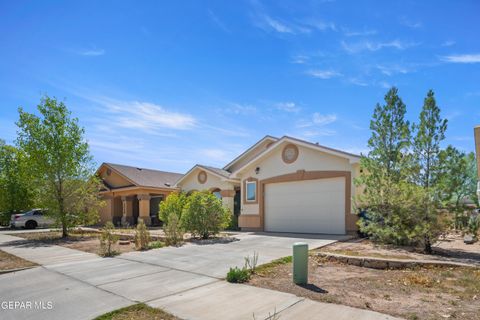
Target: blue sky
<point x="167" y="84"/>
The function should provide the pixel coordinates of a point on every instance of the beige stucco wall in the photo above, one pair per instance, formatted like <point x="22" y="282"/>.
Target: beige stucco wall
<point x="114" y="179"/>
<point x="251" y="154"/>
<point x="213" y="181"/>
<point x="308" y="160"/>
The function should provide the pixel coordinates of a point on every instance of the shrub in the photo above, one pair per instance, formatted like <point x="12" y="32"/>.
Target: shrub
<point x="251" y="262"/>
<point x="142" y="236"/>
<point x="170" y="213"/>
<point x="173" y="231"/>
<point x="156" y="245"/>
<point x="237" y="275"/>
<point x="204" y="215"/>
<point x="107" y="239"/>
<point x="474" y="225"/>
<point x="233" y="225"/>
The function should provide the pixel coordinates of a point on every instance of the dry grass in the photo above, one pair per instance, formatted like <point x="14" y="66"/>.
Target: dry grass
<point x="9" y="261"/>
<point x="137" y="312"/>
<point x="420" y="293"/>
<point x="83" y="241"/>
<point x="354" y="253"/>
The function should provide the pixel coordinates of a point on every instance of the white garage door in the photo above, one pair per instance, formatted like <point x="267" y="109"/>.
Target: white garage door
<point x="309" y="206"/>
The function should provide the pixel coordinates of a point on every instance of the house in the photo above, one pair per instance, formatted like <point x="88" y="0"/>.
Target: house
<point x="284" y="185"/>
<point x="131" y="193"/>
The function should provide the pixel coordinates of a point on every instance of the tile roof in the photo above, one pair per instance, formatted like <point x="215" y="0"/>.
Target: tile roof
<point x="147" y="177"/>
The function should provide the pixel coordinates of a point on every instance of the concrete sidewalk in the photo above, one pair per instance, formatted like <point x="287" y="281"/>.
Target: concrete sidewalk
<point x="183" y="281"/>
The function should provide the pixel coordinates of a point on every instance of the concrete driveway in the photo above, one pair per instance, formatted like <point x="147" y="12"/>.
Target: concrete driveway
<point x="82" y="286"/>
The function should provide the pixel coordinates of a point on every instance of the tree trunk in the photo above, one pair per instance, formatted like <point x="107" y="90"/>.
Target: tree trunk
<point x="428" y="245"/>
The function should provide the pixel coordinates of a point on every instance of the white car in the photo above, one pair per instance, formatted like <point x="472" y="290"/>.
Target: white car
<point x="31" y="219"/>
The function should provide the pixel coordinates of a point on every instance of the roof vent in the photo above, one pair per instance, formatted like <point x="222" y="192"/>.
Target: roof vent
<point x="167" y="184"/>
<point x="139" y="169"/>
<point x="317" y="143"/>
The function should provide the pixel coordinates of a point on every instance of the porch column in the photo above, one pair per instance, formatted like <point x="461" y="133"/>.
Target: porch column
<point x="227" y="199"/>
<point x="144" y="208"/>
<point x="127" y="210"/>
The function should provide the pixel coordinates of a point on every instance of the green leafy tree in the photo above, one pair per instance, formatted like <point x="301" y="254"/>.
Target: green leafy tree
<point x="17" y="192"/>
<point x="204" y="215"/>
<point x="384" y="168"/>
<point x="426" y="150"/>
<point x="59" y="156"/>
<point x="170" y="213"/>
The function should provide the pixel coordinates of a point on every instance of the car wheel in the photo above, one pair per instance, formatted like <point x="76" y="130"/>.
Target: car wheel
<point x="31" y="224"/>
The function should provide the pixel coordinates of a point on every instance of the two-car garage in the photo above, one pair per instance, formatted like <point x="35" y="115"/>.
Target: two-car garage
<point x="306" y="206"/>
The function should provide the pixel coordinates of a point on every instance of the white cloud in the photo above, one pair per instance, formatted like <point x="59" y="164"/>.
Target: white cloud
<point x="410" y="23"/>
<point x="375" y="46"/>
<point x="357" y="82"/>
<point x="462" y="58"/>
<point x="145" y="116"/>
<point x="300" y="59"/>
<point x="241" y="109"/>
<point x="448" y="43"/>
<point x="390" y="70"/>
<point x="88" y="52"/>
<point x="321" y="25"/>
<point x="276" y="25"/>
<point x="317" y="121"/>
<point x="216" y="20"/>
<point x="359" y="33"/>
<point x="321" y="120"/>
<point x="324" y="74"/>
<point x="287" y="106"/>
<point x="218" y="155"/>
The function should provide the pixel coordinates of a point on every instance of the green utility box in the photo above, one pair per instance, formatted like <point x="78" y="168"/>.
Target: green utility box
<point x="300" y="263"/>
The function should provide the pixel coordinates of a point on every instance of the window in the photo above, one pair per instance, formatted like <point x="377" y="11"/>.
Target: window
<point x="251" y="190"/>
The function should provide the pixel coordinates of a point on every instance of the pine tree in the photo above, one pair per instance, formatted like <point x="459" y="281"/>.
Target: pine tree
<point x="426" y="147"/>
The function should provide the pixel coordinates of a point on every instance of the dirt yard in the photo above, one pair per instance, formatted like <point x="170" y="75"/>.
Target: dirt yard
<point x="137" y="312"/>
<point x="9" y="261"/>
<point x="420" y="293"/>
<point x="451" y="248"/>
<point x="84" y="241"/>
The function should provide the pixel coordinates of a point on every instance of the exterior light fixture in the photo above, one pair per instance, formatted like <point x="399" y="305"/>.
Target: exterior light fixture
<point x="257" y="170"/>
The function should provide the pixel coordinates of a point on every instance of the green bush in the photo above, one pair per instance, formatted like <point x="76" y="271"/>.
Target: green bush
<point x="156" y="245"/>
<point x="142" y="236"/>
<point x="170" y="213"/>
<point x="233" y="225"/>
<point x="107" y="240"/>
<point x="474" y="225"/>
<point x="204" y="215"/>
<point x="237" y="275"/>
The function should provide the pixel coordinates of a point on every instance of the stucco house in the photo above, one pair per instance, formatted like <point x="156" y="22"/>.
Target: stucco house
<point x="278" y="185"/>
<point x="131" y="193"/>
<point x="284" y="185"/>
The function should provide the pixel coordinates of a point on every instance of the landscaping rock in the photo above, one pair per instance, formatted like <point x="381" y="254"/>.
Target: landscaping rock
<point x="469" y="239"/>
<point x="375" y="264"/>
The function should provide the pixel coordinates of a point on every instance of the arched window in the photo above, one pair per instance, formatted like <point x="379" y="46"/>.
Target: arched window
<point x="216" y="192"/>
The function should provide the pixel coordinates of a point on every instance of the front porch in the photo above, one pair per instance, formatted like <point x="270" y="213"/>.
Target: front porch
<point x="124" y="208"/>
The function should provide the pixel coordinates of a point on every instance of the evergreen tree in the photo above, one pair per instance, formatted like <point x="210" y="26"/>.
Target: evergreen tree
<point x="426" y="147"/>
